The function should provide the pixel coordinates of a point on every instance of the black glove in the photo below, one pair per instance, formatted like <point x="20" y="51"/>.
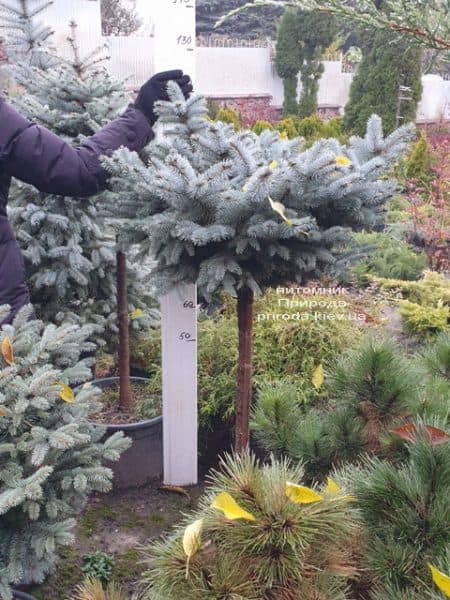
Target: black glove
<point x="156" y="89"/>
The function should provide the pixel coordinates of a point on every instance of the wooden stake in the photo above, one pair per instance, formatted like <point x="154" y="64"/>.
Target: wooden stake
<point x="245" y="368"/>
<point x="126" y="400"/>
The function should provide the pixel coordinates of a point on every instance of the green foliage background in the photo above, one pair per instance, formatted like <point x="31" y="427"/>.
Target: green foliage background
<point x="387" y="63"/>
<point x="281" y="349"/>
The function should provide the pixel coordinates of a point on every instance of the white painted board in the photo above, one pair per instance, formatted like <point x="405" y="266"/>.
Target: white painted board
<point x="179" y="372"/>
<point x="174" y="48"/>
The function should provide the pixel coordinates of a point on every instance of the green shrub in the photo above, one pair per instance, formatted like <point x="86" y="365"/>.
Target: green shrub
<point x="228" y="115"/>
<point x="289" y="349"/>
<point x="434" y="366"/>
<point x="288" y="126"/>
<point x="213" y="109"/>
<point x="311" y="127"/>
<point x="261" y="126"/>
<point x="425" y="309"/>
<point x="334" y="128"/>
<point x="418" y="164"/>
<point x="405" y="512"/>
<point x="424" y="320"/>
<point x="436" y="358"/>
<point x="276" y="416"/>
<point x="429" y="291"/>
<point x="399" y="203"/>
<point x="390" y="257"/>
<point x="371" y="388"/>
<point x="279" y="549"/>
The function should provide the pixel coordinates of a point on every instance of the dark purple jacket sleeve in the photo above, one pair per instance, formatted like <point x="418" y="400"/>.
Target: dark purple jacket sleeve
<point x="35" y="155"/>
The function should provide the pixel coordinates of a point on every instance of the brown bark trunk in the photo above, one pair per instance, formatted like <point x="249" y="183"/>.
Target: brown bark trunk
<point x="125" y="401"/>
<point x="244" y="373"/>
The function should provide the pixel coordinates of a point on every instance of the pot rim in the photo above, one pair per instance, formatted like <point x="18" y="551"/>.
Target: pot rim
<point x="137" y="425"/>
<point x="22" y="595"/>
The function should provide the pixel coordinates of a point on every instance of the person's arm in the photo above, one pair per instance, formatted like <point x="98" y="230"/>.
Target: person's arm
<point x="35" y="155"/>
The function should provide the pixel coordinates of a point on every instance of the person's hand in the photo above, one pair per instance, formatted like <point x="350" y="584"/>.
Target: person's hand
<point x="156" y="89"/>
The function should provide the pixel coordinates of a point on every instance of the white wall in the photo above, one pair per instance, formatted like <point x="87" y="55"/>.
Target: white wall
<point x="334" y="85"/>
<point x="435" y="103"/>
<point x="235" y="71"/>
<point x="220" y="72"/>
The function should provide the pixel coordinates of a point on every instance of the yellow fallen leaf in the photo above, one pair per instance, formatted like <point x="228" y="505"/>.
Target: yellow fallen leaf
<point x="230" y="508"/>
<point x="279" y="208"/>
<point x="284" y="135"/>
<point x="318" y="377"/>
<point x="332" y="487"/>
<point x="137" y="312"/>
<point x="342" y="161"/>
<point x="301" y="495"/>
<point x="442" y="581"/>
<point x="192" y="541"/>
<point x="7" y="351"/>
<point x="66" y="392"/>
<point x="273" y="164"/>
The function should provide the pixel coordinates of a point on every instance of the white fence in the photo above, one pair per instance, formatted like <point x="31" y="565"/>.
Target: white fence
<point x="236" y="72"/>
<point x="222" y="71"/>
<point x="220" y="41"/>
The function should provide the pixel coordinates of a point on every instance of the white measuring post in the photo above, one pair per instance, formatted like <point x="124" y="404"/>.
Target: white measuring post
<point x="179" y="372"/>
<point x="175" y="49"/>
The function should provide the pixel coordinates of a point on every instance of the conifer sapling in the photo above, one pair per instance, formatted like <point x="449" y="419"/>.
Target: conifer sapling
<point x="51" y="455"/>
<point x="233" y="211"/>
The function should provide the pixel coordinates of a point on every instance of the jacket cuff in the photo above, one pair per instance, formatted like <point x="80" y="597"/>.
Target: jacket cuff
<point x="142" y="128"/>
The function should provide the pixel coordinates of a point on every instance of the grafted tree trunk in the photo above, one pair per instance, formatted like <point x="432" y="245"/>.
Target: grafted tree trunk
<point x="245" y="368"/>
<point x="125" y="401"/>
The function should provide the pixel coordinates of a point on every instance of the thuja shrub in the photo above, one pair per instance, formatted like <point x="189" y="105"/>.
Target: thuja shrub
<point x="258" y="534"/>
<point x="261" y="126"/>
<point x="228" y="115"/>
<point x="419" y="162"/>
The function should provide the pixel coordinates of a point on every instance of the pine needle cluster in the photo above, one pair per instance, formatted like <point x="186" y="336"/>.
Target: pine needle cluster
<point x="280" y="549"/>
<point x="405" y="513"/>
<point x="372" y="388"/>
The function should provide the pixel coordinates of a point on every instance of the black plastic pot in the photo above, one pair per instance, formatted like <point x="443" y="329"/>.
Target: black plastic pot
<point x="22" y="596"/>
<point x="143" y="461"/>
<point x="136" y="372"/>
